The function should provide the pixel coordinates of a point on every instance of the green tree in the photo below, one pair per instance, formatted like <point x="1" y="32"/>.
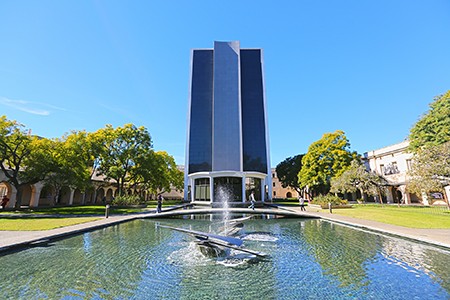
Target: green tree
<point x="23" y="158"/>
<point x="430" y="171"/>
<point x="167" y="176"/>
<point x="81" y="151"/>
<point x="326" y="158"/>
<point x="72" y="162"/>
<point x="356" y="177"/>
<point x="61" y="174"/>
<point x="287" y="172"/>
<point x="157" y="172"/>
<point x="433" y="128"/>
<point x="119" y="150"/>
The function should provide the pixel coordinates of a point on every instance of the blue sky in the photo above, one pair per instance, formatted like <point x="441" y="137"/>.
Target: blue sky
<point x="369" y="68"/>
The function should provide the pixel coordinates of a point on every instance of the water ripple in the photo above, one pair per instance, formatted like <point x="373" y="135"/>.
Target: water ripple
<point x="310" y="259"/>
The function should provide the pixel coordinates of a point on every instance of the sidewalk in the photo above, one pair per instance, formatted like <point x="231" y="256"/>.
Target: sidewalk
<point x="16" y="239"/>
<point x="437" y="237"/>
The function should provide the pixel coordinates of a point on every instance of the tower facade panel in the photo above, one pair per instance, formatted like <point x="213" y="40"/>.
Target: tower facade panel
<point x="200" y="125"/>
<point x="253" y="112"/>
<point x="227" y="148"/>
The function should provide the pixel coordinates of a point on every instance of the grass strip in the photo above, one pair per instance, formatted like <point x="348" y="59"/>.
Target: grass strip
<point x="34" y="224"/>
<point x="75" y="210"/>
<point x="86" y="209"/>
<point x="411" y="217"/>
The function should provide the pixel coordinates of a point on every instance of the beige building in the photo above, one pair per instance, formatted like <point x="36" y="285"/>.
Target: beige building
<point x="41" y="195"/>
<point x="394" y="163"/>
<point x="280" y="192"/>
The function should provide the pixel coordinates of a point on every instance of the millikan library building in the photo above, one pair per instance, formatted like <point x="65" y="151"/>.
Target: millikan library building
<point x="227" y="148"/>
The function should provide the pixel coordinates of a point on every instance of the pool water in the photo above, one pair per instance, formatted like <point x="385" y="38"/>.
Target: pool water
<point x="309" y="259"/>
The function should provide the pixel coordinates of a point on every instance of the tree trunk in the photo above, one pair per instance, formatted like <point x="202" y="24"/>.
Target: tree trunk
<point x="57" y="193"/>
<point x="381" y="197"/>
<point x="363" y="195"/>
<point x="121" y="185"/>
<point x="446" y="199"/>
<point x="18" y="198"/>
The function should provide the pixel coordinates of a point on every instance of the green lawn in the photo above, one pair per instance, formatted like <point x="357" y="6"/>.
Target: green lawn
<point x="285" y="201"/>
<point x="88" y="209"/>
<point x="406" y="216"/>
<point x="83" y="214"/>
<point x="76" y="210"/>
<point x="25" y="224"/>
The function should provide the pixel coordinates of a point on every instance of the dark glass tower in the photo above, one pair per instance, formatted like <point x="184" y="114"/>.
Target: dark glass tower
<point x="227" y="139"/>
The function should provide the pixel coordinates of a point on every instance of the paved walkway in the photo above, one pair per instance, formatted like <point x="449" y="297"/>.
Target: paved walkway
<point x="437" y="237"/>
<point x="16" y="239"/>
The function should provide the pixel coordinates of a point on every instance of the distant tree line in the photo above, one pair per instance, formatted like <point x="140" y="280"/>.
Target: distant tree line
<point x="123" y="155"/>
<point x="330" y="165"/>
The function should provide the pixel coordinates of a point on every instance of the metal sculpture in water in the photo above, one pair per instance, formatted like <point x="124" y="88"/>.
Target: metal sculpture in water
<point x="216" y="245"/>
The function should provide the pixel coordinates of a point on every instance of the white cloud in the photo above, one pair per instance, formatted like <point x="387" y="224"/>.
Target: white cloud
<point x="35" y="108"/>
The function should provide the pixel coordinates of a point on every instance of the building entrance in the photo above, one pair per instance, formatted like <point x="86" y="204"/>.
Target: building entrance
<point x="230" y="187"/>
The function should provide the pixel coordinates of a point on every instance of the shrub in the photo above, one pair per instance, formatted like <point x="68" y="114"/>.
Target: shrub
<point x="329" y="198"/>
<point x="126" y="200"/>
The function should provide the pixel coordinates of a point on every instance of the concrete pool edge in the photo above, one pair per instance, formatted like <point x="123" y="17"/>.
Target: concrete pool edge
<point x="435" y="237"/>
<point x="17" y="240"/>
<point x="389" y="233"/>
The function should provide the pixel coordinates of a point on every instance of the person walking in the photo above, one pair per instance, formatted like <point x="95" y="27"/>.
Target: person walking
<point x="301" y="202"/>
<point x="252" y="200"/>
<point x="159" y="205"/>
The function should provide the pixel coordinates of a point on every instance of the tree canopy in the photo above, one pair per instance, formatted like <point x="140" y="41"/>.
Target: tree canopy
<point x="22" y="156"/>
<point x="123" y="155"/>
<point x="433" y="128"/>
<point x="326" y="158"/>
<point x="165" y="175"/>
<point x="72" y="162"/>
<point x="356" y="177"/>
<point x="287" y="172"/>
<point x="430" y="171"/>
<point x="121" y="148"/>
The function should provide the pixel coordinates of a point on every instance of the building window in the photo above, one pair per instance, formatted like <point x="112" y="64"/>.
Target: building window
<point x="273" y="184"/>
<point x="253" y="185"/>
<point x="391" y="168"/>
<point x="409" y="164"/>
<point x="382" y="169"/>
<point x="273" y="175"/>
<point x="227" y="187"/>
<point x="202" y="189"/>
<point x="274" y="193"/>
<point x="395" y="169"/>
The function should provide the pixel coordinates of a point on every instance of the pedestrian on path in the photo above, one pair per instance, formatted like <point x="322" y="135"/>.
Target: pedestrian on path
<point x="159" y="205"/>
<point x="302" y="203"/>
<point x="252" y="200"/>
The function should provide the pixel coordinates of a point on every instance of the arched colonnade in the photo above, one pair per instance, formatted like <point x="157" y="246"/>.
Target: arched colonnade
<point x="39" y="194"/>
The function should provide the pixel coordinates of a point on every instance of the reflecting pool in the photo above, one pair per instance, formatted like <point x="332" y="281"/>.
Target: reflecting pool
<point x="309" y="259"/>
